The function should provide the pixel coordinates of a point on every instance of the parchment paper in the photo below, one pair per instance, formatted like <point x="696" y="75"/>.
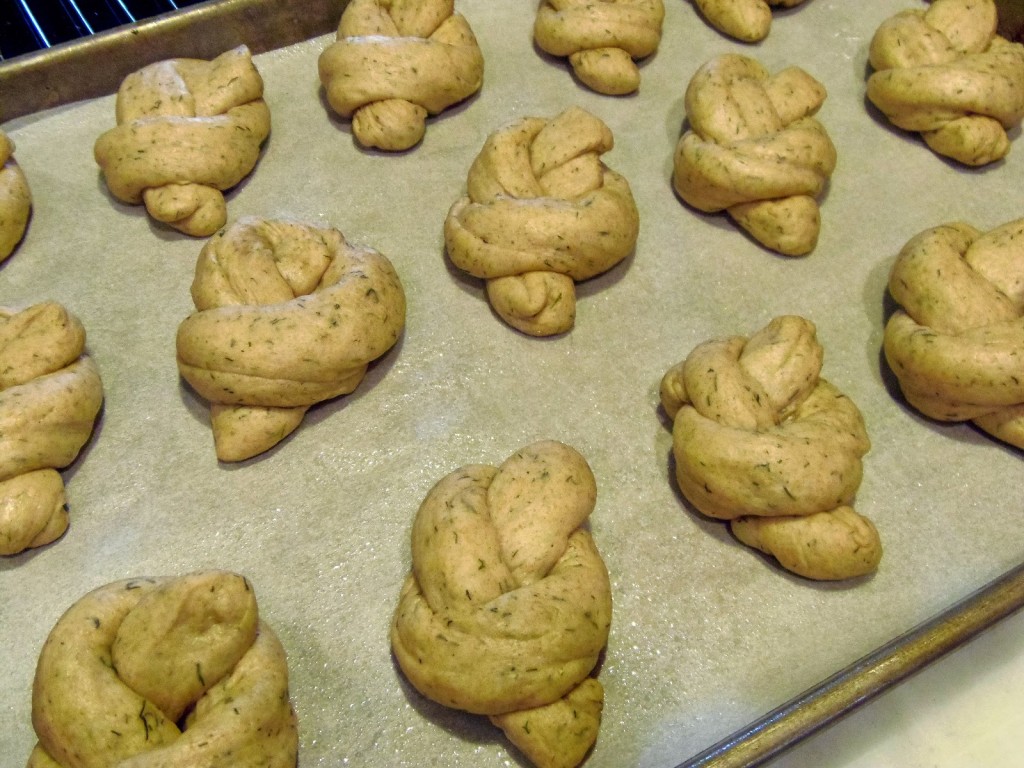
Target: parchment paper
<point x="707" y="635"/>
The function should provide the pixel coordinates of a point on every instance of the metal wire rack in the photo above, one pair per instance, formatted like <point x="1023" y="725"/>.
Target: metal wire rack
<point x="32" y="25"/>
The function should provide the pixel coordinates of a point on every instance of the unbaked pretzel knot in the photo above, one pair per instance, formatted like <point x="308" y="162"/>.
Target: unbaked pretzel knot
<point x="944" y="72"/>
<point x="745" y="20"/>
<point x="542" y="211"/>
<point x="760" y="439"/>
<point x="754" y="150"/>
<point x="956" y="344"/>
<point x="164" y="672"/>
<point x="395" y="62"/>
<point x="601" y="40"/>
<point x="288" y="315"/>
<point x="187" y="130"/>
<point x="508" y="604"/>
<point x="15" y="199"/>
<point x="50" y="395"/>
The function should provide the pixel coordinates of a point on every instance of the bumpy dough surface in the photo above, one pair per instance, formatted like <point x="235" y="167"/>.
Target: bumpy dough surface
<point x="945" y="73"/>
<point x="50" y="395"/>
<point x="542" y="211"/>
<point x="508" y="604"/>
<point x="173" y="672"/>
<point x="395" y="62"/>
<point x="760" y="439"/>
<point x="745" y="20"/>
<point x="956" y="343"/>
<point x="288" y="315"/>
<point x="753" y="149"/>
<point x="186" y="131"/>
<point x="601" y="40"/>
<point x="15" y="199"/>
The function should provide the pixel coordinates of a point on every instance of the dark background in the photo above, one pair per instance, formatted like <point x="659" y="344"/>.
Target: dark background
<point x="30" y="25"/>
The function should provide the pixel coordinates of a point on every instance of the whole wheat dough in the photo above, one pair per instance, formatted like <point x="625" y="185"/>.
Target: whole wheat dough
<point x="944" y="72"/>
<point x="187" y="130"/>
<point x="542" y="211"/>
<point x="601" y="40"/>
<point x="956" y="342"/>
<point x="287" y="315"/>
<point x="753" y="149"/>
<point x="508" y="604"/>
<point x="50" y="397"/>
<point x="171" y="672"/>
<point x="395" y="62"/>
<point x="761" y="440"/>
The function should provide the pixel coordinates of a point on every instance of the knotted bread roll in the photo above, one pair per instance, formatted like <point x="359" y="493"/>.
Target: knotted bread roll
<point x="186" y="131"/>
<point x="508" y="604"/>
<point x="945" y="73"/>
<point x="50" y="395"/>
<point x="745" y="20"/>
<point x="542" y="211"/>
<point x="753" y="150"/>
<point x="601" y="40"/>
<point x="288" y="315"/>
<point x="15" y="199"/>
<point x="957" y="342"/>
<point x="395" y="62"/>
<point x="170" y="672"/>
<point x="761" y="440"/>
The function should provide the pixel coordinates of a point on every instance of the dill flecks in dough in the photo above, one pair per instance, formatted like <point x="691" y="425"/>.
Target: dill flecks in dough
<point x="288" y="315"/>
<point x="187" y="130"/>
<point x="956" y="344"/>
<point x="761" y="440"/>
<point x="508" y="604"/>
<point x="395" y="62"/>
<point x="601" y="40"/>
<point x="753" y="149"/>
<point x="945" y="73"/>
<point x="166" y="671"/>
<point x="50" y="396"/>
<point x="15" y="199"/>
<point x="542" y="211"/>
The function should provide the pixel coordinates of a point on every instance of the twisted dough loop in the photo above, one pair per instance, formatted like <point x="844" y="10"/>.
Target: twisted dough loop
<point x="761" y="440"/>
<point x="288" y="315"/>
<point x="15" y="199"/>
<point x="508" y="604"/>
<point x="957" y="342"/>
<point x="541" y="212"/>
<point x="601" y="40"/>
<point x="396" y="61"/>
<point x="745" y="20"/>
<point x="945" y="73"/>
<point x="50" y="395"/>
<point x="753" y="150"/>
<point x="164" y="672"/>
<point x="187" y="130"/>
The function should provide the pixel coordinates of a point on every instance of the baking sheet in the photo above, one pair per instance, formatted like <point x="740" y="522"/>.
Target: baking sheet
<point x="707" y="635"/>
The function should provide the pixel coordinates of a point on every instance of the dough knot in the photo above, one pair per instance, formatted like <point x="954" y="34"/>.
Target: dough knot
<point x="508" y="604"/>
<point x="170" y="672"/>
<point x="288" y="315"/>
<point x="760" y="439"/>
<point x="945" y="73"/>
<point x="15" y="199"/>
<point x="186" y="131"/>
<point x="601" y="40"/>
<point x="754" y="149"/>
<point x="956" y="342"/>
<point x="542" y="211"/>
<point x="745" y="20"/>
<point x="50" y="395"/>
<point x="395" y="62"/>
